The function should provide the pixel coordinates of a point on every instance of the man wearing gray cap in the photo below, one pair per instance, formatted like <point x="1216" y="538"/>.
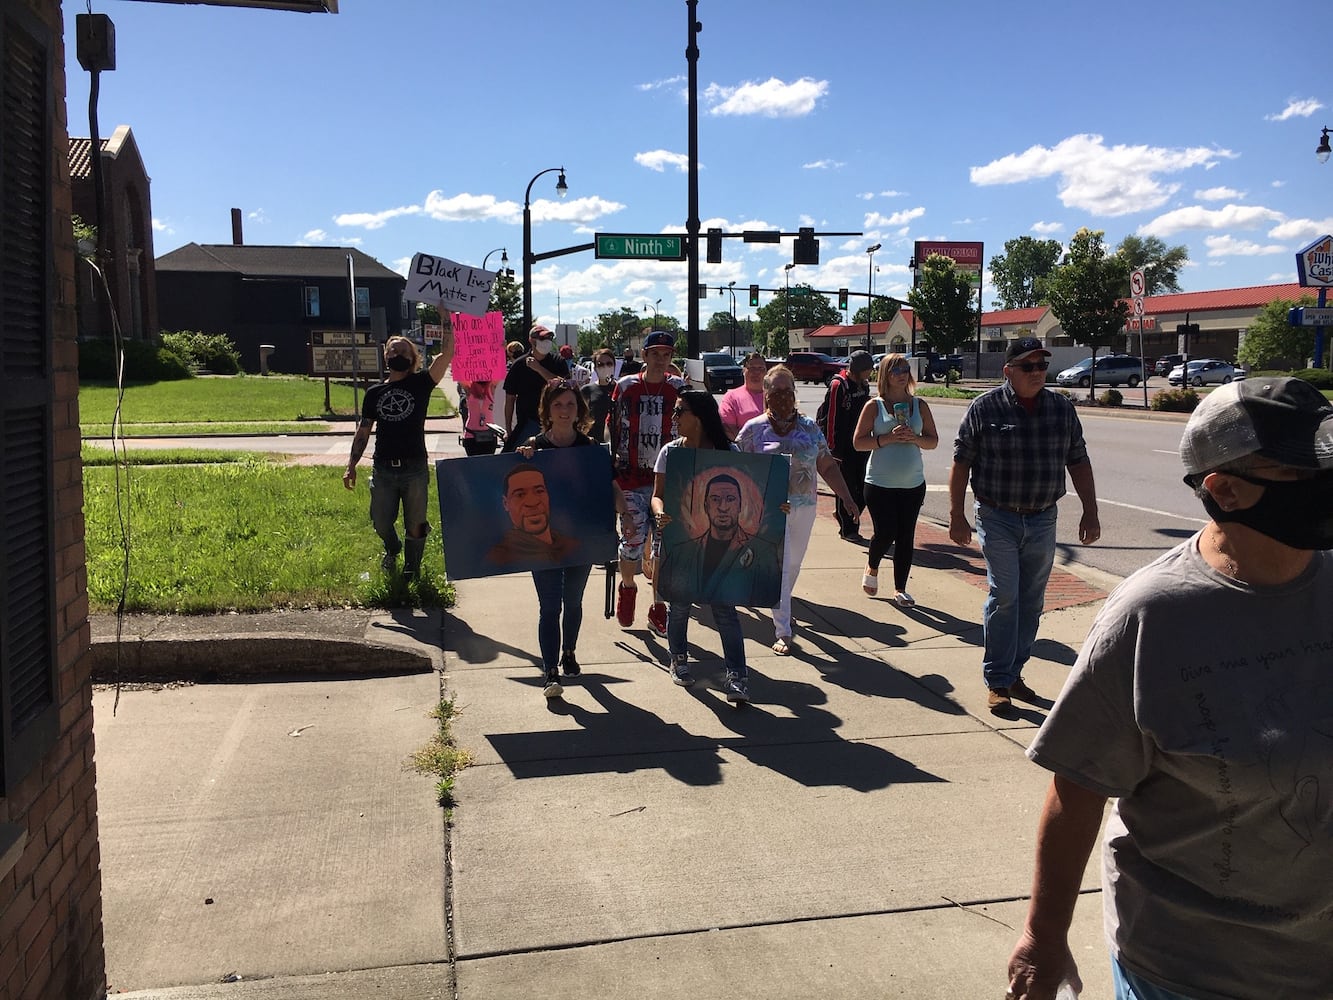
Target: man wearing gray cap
<point x="846" y="397"/>
<point x="1203" y="703"/>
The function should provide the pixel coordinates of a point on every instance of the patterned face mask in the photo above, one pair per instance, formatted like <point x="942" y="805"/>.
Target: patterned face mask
<point x="781" y="402"/>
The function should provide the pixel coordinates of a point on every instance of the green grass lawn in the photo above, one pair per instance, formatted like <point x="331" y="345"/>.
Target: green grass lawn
<point x="247" y="535"/>
<point x="228" y="399"/>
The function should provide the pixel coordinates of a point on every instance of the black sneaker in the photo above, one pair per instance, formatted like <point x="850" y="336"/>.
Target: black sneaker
<point x="570" y="665"/>
<point x="553" y="688"/>
<point x="1022" y="692"/>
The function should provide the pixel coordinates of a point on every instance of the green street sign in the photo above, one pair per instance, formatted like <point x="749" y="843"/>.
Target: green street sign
<point x="801" y="290"/>
<point x="639" y="246"/>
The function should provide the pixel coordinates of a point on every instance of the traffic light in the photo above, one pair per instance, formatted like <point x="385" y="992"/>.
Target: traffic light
<point x="805" y="248"/>
<point x="702" y="292"/>
<point x="754" y="295"/>
<point x="715" y="246"/>
<point x="842" y="298"/>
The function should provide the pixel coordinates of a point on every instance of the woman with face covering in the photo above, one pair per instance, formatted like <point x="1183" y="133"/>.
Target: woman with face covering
<point x="781" y="430"/>
<point x="598" y="392"/>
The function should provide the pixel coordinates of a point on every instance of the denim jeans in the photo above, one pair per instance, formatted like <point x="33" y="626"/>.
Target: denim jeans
<point x="1129" y="986"/>
<point x="390" y="486"/>
<point x="557" y="589"/>
<point x="728" y="628"/>
<point x="1019" y="551"/>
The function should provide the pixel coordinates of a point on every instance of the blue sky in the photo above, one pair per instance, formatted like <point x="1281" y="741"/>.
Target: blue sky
<point x="404" y="126"/>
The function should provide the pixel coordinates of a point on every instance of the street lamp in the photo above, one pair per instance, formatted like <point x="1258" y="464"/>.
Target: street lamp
<point x="786" y="299"/>
<point x="504" y="258"/>
<point x="655" y="305"/>
<point x="870" y="289"/>
<point x="561" y="189"/>
<point x="912" y="266"/>
<point x="1323" y="150"/>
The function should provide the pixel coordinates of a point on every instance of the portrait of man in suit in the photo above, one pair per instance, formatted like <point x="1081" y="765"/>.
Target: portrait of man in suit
<point x="531" y="538"/>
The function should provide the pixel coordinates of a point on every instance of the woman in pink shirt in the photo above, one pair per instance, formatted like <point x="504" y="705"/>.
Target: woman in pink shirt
<point x="745" y="402"/>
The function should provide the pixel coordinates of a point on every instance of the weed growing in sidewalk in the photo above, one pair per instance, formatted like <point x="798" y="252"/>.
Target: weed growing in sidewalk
<point x="442" y="756"/>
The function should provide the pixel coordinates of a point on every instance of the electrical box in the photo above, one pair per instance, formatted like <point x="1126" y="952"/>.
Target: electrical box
<point x="96" y="42"/>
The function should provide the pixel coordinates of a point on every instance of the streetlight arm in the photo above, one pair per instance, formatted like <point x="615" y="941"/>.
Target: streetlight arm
<point x="527" y="195"/>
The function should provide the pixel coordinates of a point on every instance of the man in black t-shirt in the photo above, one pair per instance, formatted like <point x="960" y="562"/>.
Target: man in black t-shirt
<point x="524" y="383"/>
<point x="396" y="408"/>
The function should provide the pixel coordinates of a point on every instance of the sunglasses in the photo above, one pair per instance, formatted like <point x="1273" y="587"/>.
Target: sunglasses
<point x="543" y="336"/>
<point x="900" y="370"/>
<point x="1029" y="367"/>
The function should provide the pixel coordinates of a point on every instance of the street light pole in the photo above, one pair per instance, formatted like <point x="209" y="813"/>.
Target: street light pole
<point x="731" y="287"/>
<point x="561" y="189"/>
<point x="911" y="266"/>
<point x="655" y="305"/>
<point x="786" y="299"/>
<point x="504" y="258"/>
<point x="870" y="289"/>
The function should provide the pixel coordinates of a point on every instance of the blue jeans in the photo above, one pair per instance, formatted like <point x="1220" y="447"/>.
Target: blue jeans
<point x="390" y="486"/>
<point x="557" y="589"/>
<point x="1129" y="986"/>
<point x="728" y="627"/>
<point x="1019" y="551"/>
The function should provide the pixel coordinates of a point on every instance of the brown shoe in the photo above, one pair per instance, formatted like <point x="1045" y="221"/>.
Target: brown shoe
<point x="998" y="701"/>
<point x="1022" y="692"/>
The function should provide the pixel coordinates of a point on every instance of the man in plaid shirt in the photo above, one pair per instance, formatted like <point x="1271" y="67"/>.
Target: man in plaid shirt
<point x="1014" y="444"/>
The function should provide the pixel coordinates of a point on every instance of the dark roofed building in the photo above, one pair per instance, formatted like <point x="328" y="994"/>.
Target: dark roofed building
<point x="126" y="234"/>
<point x="276" y="295"/>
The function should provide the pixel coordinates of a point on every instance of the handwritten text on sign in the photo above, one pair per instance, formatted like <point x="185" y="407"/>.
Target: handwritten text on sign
<point x="479" y="352"/>
<point x="451" y="286"/>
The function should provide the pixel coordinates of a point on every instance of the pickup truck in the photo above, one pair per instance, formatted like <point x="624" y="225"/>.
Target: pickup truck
<point x="939" y="365"/>
<point x="811" y="366"/>
<point x="716" y="372"/>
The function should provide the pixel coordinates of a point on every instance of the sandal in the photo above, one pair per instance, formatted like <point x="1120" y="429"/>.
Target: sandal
<point x="781" y="646"/>
<point x="870" y="584"/>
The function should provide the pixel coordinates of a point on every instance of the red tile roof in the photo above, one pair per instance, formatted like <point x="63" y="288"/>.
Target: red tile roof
<point x="1223" y="298"/>
<point x="851" y="332"/>
<point x="1014" y="317"/>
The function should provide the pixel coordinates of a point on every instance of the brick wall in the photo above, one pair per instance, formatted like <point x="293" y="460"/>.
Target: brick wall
<point x="51" y="898"/>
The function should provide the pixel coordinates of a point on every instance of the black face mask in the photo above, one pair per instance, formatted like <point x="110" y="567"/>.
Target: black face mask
<point x="1298" y="513"/>
<point x="399" y="363"/>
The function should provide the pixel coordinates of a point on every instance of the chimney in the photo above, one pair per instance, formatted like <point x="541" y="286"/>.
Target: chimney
<point x="237" y="240"/>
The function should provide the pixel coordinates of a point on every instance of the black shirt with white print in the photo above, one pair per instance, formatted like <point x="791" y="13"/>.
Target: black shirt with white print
<point x="399" y="411"/>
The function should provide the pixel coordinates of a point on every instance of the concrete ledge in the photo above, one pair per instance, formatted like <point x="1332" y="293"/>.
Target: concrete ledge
<point x="250" y="656"/>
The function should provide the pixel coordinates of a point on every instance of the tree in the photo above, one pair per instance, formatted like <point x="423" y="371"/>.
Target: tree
<point x="944" y="304"/>
<point x="1085" y="292"/>
<point x="882" y="310"/>
<point x="1160" y="264"/>
<point x="1270" y="338"/>
<point x="1020" y="272"/>
<point x="808" y="310"/>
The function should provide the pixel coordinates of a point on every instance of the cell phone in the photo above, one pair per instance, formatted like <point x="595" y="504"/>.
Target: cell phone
<point x="901" y="411"/>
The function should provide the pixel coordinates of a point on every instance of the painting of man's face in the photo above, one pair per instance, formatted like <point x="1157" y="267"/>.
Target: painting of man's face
<point x="723" y="506"/>
<point x="527" y="502"/>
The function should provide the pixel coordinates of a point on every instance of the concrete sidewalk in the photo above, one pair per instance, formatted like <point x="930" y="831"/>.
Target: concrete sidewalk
<point x="863" y="829"/>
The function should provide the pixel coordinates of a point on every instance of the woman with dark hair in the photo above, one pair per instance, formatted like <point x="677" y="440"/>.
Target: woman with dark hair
<point x="700" y="426"/>
<point x="598" y="392"/>
<point x="563" y="414"/>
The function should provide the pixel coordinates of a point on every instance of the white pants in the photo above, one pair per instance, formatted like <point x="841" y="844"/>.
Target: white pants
<point x="800" y="522"/>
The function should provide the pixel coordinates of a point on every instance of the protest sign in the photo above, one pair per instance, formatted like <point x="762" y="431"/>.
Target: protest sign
<point x="451" y="286"/>
<point x="479" y="349"/>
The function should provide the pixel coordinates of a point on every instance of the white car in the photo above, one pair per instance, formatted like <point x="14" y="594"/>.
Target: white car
<point x="1206" y="371"/>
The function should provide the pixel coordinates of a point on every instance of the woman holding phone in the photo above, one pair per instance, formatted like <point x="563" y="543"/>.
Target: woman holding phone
<point x="895" y="428"/>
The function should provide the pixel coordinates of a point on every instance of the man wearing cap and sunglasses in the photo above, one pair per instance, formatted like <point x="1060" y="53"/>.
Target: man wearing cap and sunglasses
<point x="1203" y="703"/>
<point x="524" y="383"/>
<point x="1014" y="444"/>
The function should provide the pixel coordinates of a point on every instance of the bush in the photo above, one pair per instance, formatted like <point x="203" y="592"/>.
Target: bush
<point x="144" y="362"/>
<point x="1320" y="378"/>
<point x="1175" y="400"/>
<point x="1111" y="397"/>
<point x="213" y="352"/>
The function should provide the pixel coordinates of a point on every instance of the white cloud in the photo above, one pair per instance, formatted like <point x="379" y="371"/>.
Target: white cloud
<point x="159" y="226"/>
<point x="893" y="194"/>
<point x="257" y="216"/>
<point x="1296" y="107"/>
<point x="866" y="195"/>
<point x="315" y="236"/>
<point x="375" y="220"/>
<point x="773" y="98"/>
<point x="657" y="159"/>
<point x="1282" y="277"/>
<point x="464" y="207"/>
<point x="1218" y="194"/>
<point x="823" y="165"/>
<point x="874" y="220"/>
<point x="1301" y="229"/>
<point x="659" y="84"/>
<point x="1278" y="184"/>
<point x="401" y="264"/>
<point x="1196" y="217"/>
<point x="1229" y="246"/>
<point x="1095" y="178"/>
<point x="1046" y="228"/>
<point x="579" y="210"/>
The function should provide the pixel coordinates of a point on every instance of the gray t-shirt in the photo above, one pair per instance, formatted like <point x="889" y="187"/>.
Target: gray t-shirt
<point x="1206" y="706"/>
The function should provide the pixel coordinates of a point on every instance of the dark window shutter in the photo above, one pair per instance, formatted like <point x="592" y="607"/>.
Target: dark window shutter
<point x="28" y="710"/>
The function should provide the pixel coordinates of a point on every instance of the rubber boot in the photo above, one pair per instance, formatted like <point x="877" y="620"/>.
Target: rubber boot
<point x="413" y="550"/>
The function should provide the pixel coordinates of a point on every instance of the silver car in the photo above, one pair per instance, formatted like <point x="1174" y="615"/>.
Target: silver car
<point x="1206" y="371"/>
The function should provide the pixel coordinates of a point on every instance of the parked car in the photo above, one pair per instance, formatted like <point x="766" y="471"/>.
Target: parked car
<point x="1166" y="362"/>
<point x="715" y="372"/>
<point x="1206" y="371"/>
<point x="1112" y="369"/>
<point x="812" y="366"/>
<point x="939" y="365"/>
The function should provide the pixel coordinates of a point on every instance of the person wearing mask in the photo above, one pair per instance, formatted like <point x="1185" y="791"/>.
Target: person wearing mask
<point x="892" y="431"/>
<point x="598" y="392"/>
<point x="396" y="409"/>
<point x="782" y="430"/>
<point x="843" y="402"/>
<point x="745" y="402"/>
<point x="579" y="375"/>
<point x="523" y="385"/>
<point x="700" y="427"/>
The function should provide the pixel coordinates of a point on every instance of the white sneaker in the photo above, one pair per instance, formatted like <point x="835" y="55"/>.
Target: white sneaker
<point x="904" y="600"/>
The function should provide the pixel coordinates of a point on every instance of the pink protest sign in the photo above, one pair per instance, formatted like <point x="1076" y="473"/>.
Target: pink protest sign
<point x="479" y="351"/>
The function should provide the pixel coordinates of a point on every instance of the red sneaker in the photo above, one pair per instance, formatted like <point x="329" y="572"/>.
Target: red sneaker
<point x="625" y="605"/>
<point x="657" y="618"/>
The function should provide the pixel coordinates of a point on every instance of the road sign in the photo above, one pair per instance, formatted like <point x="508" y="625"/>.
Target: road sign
<point x="801" y="290"/>
<point x="633" y="246"/>
<point x="1314" y="264"/>
<point x="1311" y="316"/>
<point x="1138" y="306"/>
<point x="1136" y="285"/>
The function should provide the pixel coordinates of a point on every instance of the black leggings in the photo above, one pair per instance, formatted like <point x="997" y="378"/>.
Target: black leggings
<point x="894" y="514"/>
